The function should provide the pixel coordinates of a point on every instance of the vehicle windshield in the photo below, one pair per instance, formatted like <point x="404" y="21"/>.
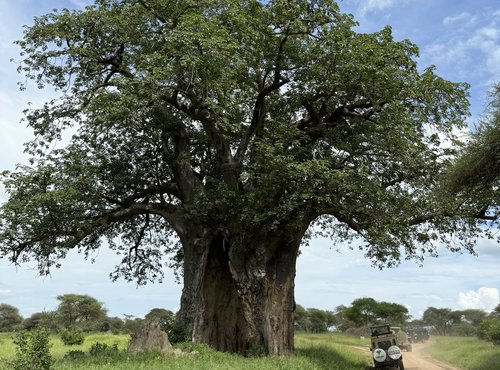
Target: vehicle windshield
<point x="384" y="344"/>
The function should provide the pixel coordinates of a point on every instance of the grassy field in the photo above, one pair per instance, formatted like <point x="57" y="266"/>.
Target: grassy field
<point x="465" y="353"/>
<point x="313" y="351"/>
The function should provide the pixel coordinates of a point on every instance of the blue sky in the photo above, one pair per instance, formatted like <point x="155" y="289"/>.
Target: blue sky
<point x="460" y="37"/>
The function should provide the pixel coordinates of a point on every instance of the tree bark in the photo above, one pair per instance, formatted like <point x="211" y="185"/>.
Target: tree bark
<point x="239" y="297"/>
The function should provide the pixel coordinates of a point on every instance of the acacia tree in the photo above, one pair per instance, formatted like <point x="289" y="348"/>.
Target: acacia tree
<point x="10" y="318"/>
<point x="77" y="310"/>
<point x="367" y="311"/>
<point x="474" y="176"/>
<point x="219" y="131"/>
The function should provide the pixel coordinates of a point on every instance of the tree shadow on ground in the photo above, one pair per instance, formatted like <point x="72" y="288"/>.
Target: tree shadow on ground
<point x="330" y="359"/>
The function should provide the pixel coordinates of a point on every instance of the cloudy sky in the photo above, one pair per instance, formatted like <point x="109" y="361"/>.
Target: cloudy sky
<point x="460" y="37"/>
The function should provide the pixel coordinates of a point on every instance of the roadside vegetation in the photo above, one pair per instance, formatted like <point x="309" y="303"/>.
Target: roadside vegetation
<point x="313" y="351"/>
<point x="466" y="353"/>
<point x="80" y="335"/>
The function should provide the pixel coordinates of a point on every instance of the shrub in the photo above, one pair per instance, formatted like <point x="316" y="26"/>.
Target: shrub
<point x="489" y="330"/>
<point x="72" y="337"/>
<point x="103" y="350"/>
<point x="74" y="355"/>
<point x="33" y="350"/>
<point x="175" y="330"/>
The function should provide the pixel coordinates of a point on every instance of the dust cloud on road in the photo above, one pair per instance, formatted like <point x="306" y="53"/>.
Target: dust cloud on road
<point x="418" y="360"/>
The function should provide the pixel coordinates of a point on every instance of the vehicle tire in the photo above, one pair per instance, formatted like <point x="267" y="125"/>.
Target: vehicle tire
<point x="401" y="366"/>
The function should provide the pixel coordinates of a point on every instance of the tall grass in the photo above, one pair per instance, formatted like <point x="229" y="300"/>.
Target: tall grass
<point x="313" y="351"/>
<point x="466" y="353"/>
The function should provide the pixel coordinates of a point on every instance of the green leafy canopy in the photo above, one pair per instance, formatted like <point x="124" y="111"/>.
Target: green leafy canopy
<point x="246" y="117"/>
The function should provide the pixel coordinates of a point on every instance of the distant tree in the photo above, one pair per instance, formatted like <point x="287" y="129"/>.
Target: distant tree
<point x="45" y="319"/>
<point x="301" y="318"/>
<point x="464" y="329"/>
<point x="33" y="321"/>
<point x="342" y="321"/>
<point x="166" y="317"/>
<point x="368" y="311"/>
<point x="114" y="324"/>
<point x="132" y="325"/>
<point x="441" y="319"/>
<point x="496" y="312"/>
<point x="80" y="311"/>
<point x="473" y="316"/>
<point x="10" y="318"/>
<point x="393" y="313"/>
<point x="320" y="320"/>
<point x="170" y="323"/>
<point x="362" y="312"/>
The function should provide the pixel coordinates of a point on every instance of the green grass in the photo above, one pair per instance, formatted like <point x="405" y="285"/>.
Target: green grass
<point x="466" y="353"/>
<point x="313" y="352"/>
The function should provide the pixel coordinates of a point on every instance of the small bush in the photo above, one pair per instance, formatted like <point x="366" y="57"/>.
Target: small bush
<point x="489" y="330"/>
<point x="33" y="350"/>
<point x="74" y="355"/>
<point x="103" y="350"/>
<point x="72" y="337"/>
<point x="175" y="330"/>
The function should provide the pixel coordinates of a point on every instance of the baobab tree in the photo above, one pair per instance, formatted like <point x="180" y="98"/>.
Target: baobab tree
<point x="219" y="131"/>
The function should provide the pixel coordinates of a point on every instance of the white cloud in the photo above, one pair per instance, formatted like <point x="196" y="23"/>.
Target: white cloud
<point x="484" y="299"/>
<point x="374" y="5"/>
<point x="462" y="17"/>
<point x="468" y="40"/>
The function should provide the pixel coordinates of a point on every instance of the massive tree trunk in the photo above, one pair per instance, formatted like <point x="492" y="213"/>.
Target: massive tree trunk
<point x="239" y="296"/>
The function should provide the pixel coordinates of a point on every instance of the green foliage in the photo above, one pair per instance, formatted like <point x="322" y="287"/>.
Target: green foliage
<point x="475" y="175"/>
<point x="170" y="323"/>
<point x="464" y="329"/>
<point x="313" y="320"/>
<point x="440" y="318"/>
<point x="478" y="167"/>
<point x="33" y="350"/>
<point x="10" y="319"/>
<point x="314" y="351"/>
<point x="496" y="312"/>
<point x="113" y="324"/>
<point x="76" y="355"/>
<point x="276" y="112"/>
<point x="41" y="319"/>
<point x="489" y="330"/>
<point x="465" y="353"/>
<point x="72" y="337"/>
<point x="131" y="326"/>
<point x="80" y="311"/>
<point x="233" y="122"/>
<point x="103" y="350"/>
<point x="367" y="311"/>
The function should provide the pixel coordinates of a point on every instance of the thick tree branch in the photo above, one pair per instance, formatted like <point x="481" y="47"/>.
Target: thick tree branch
<point x="171" y="213"/>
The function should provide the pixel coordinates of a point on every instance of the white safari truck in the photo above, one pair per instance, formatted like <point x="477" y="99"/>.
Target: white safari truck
<point x="385" y="351"/>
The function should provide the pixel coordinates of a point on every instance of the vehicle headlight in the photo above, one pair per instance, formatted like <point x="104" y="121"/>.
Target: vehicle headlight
<point x="394" y="352"/>
<point x="379" y="355"/>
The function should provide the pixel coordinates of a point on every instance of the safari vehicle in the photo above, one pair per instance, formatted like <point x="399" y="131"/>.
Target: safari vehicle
<point x="385" y="352"/>
<point x="403" y="341"/>
<point x="417" y="334"/>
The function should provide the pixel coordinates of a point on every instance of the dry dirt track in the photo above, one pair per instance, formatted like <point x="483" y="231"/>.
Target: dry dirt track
<point x="417" y="360"/>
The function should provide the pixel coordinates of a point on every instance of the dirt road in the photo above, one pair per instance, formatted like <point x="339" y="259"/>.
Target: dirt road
<point x="417" y="360"/>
